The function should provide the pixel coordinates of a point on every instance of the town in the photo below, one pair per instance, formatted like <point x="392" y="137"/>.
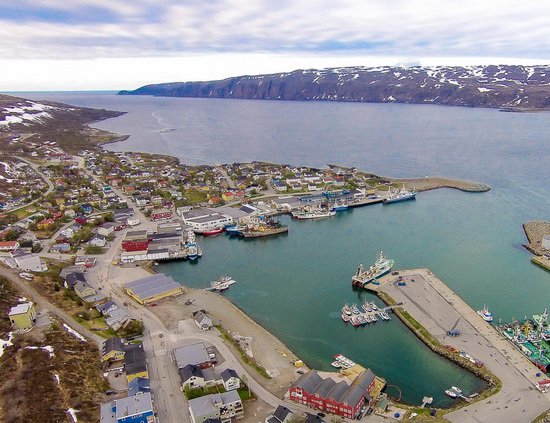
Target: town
<point x="87" y="217"/>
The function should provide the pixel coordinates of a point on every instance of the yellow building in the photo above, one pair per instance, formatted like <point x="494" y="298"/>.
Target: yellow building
<point x="152" y="288"/>
<point x="113" y="350"/>
<point x="22" y="316"/>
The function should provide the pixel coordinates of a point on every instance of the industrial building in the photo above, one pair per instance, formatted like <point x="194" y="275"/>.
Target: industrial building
<point x="204" y="219"/>
<point x="152" y="288"/>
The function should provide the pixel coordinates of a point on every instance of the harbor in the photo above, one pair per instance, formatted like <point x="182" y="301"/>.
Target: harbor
<point x="463" y="331"/>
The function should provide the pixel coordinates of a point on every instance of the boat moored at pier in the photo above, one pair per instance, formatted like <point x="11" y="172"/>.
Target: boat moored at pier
<point x="381" y="266"/>
<point x="399" y="195"/>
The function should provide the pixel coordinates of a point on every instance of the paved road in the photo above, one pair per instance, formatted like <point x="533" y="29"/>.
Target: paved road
<point x="438" y="309"/>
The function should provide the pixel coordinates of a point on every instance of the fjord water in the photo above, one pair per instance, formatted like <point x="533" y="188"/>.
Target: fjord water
<point x="294" y="285"/>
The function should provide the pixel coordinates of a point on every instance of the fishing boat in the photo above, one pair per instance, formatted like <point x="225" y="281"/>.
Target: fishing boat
<point x="336" y="364"/>
<point x="381" y="266"/>
<point x="451" y="393"/>
<point x="263" y="227"/>
<point x="485" y="314"/>
<point x="374" y="306"/>
<point x="399" y="195"/>
<point x="222" y="284"/>
<point x="346" y="318"/>
<point x="346" y="310"/>
<point x="312" y="214"/>
<point x="339" y="206"/>
<point x="214" y="231"/>
<point x="367" y="307"/>
<point x="191" y="246"/>
<point x="355" y="309"/>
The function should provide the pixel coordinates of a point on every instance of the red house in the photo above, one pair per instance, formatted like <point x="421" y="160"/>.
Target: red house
<point x="331" y="396"/>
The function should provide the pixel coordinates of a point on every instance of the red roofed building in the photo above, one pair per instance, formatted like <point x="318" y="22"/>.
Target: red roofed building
<point x="8" y="245"/>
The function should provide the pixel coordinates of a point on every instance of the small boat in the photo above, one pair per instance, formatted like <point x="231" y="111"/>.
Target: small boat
<point x="214" y="231"/>
<point x="367" y="307"/>
<point x="373" y="318"/>
<point x="374" y="306"/>
<point x="336" y="364"/>
<point x="451" y="393"/>
<point x="222" y="284"/>
<point x="457" y="390"/>
<point x="485" y="314"/>
<point x="346" y="318"/>
<point x="354" y="309"/>
<point x="346" y="310"/>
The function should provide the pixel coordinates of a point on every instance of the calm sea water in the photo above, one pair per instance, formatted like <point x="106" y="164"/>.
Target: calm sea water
<point x="294" y="285"/>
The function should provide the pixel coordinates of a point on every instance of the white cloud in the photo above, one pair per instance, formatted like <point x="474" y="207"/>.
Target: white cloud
<point x="117" y="44"/>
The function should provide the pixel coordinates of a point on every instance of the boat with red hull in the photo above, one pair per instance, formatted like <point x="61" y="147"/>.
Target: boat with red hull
<point x="213" y="232"/>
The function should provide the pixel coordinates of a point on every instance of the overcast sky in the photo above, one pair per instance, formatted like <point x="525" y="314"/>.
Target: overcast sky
<point x="117" y="44"/>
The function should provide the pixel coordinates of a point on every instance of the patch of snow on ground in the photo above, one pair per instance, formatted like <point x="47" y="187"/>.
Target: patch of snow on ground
<point x="483" y="90"/>
<point x="4" y="344"/>
<point x="391" y="98"/>
<point x="72" y="412"/>
<point x="47" y="348"/>
<point x="56" y="377"/>
<point x="74" y="332"/>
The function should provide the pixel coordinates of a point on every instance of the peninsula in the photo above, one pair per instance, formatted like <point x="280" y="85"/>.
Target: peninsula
<point x="510" y="88"/>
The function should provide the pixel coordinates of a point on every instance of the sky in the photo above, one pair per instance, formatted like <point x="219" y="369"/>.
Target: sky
<point x="120" y="44"/>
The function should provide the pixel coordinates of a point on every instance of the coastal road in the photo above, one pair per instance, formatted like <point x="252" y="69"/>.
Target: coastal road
<point x="438" y="308"/>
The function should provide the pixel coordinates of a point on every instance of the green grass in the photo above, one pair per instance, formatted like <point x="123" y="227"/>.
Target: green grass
<point x="251" y="362"/>
<point x="244" y="394"/>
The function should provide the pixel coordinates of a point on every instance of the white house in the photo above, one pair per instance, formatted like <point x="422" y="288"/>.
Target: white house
<point x="230" y="379"/>
<point x="202" y="320"/>
<point x="98" y="240"/>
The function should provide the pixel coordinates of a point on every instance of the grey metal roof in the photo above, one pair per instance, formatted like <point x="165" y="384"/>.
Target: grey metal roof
<point x="191" y="354"/>
<point x="364" y="379"/>
<point x="136" y="404"/>
<point x="152" y="285"/>
<point x="308" y="381"/>
<point x="338" y="391"/>
<point x="353" y="396"/>
<point x="107" y="414"/>
<point x="324" y="387"/>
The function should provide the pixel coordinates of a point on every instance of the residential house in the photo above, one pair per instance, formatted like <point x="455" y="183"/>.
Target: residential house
<point x="45" y="224"/>
<point x="224" y="406"/>
<point x="22" y="316"/>
<point x="135" y="362"/>
<point x="73" y="278"/>
<point x="230" y="379"/>
<point x="106" y="228"/>
<point x="117" y="318"/>
<point x="132" y="409"/>
<point x="280" y="415"/>
<point x="98" y="240"/>
<point x="60" y="248"/>
<point x="113" y="350"/>
<point x="83" y="289"/>
<point x="107" y="308"/>
<point x="195" y="377"/>
<point x="139" y="385"/>
<point x="202" y="320"/>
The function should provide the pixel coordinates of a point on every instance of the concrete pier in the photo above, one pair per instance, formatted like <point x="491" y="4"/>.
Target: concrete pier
<point x="438" y="309"/>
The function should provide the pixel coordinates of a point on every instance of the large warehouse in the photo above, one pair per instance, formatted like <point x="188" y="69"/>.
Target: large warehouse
<point x="152" y="288"/>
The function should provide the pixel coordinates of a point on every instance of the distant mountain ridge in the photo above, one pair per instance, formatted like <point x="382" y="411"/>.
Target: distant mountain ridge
<point x="504" y="86"/>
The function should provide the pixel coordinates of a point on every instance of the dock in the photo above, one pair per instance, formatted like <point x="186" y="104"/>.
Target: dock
<point x="541" y="261"/>
<point x="438" y="309"/>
